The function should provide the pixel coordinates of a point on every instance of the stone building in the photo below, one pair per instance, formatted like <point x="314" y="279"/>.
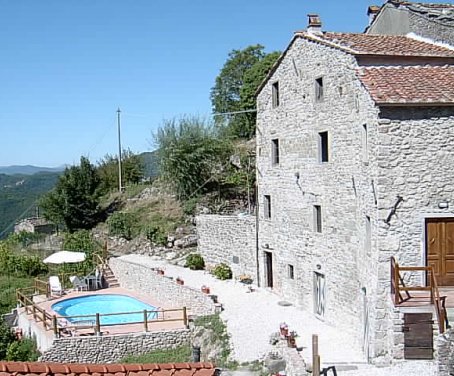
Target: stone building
<point x="35" y="225"/>
<point x="355" y="153"/>
<point x="434" y="21"/>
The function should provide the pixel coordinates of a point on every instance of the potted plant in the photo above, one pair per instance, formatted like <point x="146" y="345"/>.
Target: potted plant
<point x="160" y="271"/>
<point x="179" y="281"/>
<point x="291" y="339"/>
<point x="283" y="328"/>
<point x="205" y="289"/>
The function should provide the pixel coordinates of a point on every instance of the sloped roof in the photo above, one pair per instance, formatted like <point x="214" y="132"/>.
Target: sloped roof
<point x="368" y="44"/>
<point x="76" y="369"/>
<point x="443" y="13"/>
<point x="383" y="45"/>
<point x="415" y="85"/>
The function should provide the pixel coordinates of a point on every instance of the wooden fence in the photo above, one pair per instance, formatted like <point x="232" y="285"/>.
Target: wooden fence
<point x="93" y="324"/>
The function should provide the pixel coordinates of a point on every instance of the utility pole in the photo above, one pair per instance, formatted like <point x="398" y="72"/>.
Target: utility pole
<point x="120" y="187"/>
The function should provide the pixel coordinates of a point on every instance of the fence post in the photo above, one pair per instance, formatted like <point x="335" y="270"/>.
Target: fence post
<point x="145" y="322"/>
<point x="54" y="324"/>
<point x="98" y="325"/>
<point x="185" y="317"/>
<point x="315" y="356"/>
<point x="43" y="314"/>
<point x="34" y="311"/>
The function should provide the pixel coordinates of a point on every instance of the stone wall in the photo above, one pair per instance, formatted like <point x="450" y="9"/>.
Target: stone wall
<point x="344" y="187"/>
<point x="142" y="278"/>
<point x="229" y="239"/>
<point x="111" y="349"/>
<point x="445" y="359"/>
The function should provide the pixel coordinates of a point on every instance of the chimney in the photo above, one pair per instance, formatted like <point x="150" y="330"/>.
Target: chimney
<point x="315" y="25"/>
<point x="372" y="11"/>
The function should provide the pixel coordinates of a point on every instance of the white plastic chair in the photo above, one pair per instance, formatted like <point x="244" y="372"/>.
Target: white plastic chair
<point x="78" y="284"/>
<point x="55" y="285"/>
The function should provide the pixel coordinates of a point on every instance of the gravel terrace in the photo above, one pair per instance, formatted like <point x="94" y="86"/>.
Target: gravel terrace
<point x="252" y="317"/>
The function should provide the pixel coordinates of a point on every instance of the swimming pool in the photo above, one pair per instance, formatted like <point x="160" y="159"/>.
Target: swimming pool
<point x="89" y="305"/>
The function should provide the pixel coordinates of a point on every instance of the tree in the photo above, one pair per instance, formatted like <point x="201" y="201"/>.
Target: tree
<point x="191" y="153"/>
<point x="132" y="170"/>
<point x="75" y="199"/>
<point x="243" y="67"/>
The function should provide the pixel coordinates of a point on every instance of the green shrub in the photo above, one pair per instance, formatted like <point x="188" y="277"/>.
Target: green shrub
<point x="6" y="338"/>
<point x="222" y="271"/>
<point x="121" y="224"/>
<point x="190" y="205"/>
<point x="22" y="351"/>
<point x="156" y="234"/>
<point x="195" y="261"/>
<point x="180" y="354"/>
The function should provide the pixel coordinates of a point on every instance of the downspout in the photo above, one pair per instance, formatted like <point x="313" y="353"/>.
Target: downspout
<point x="257" y="229"/>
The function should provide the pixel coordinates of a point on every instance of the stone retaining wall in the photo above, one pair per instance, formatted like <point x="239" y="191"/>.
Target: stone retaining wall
<point x="110" y="349"/>
<point x="229" y="239"/>
<point x="445" y="348"/>
<point x="142" y="278"/>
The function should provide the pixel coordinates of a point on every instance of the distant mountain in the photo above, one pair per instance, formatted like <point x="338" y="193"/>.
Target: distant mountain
<point x="19" y="195"/>
<point x="28" y="169"/>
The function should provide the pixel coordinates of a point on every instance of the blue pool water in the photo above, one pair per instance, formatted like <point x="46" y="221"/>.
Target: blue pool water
<point x="104" y="304"/>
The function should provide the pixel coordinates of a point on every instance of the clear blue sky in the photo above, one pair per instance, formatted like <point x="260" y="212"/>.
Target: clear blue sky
<point x="67" y="65"/>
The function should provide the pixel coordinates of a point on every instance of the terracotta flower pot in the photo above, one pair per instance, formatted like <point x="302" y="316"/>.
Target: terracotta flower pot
<point x="179" y="281"/>
<point x="205" y="289"/>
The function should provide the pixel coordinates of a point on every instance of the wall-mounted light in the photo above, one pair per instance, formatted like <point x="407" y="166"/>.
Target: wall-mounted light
<point x="297" y="177"/>
<point x="318" y="266"/>
<point x="267" y="246"/>
<point x="443" y="205"/>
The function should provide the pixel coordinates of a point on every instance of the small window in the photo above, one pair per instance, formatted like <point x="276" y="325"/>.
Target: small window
<point x="317" y="218"/>
<point x="267" y="206"/>
<point x="364" y="142"/>
<point x="319" y="89"/>
<point x="291" y="271"/>
<point x="275" y="151"/>
<point x="323" y="147"/>
<point x="275" y="94"/>
<point x="368" y="236"/>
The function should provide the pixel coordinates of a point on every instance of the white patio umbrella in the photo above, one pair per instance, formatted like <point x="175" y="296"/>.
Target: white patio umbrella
<point x="65" y="257"/>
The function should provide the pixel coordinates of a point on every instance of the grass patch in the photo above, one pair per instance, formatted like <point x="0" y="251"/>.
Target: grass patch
<point x="8" y="286"/>
<point x="180" y="354"/>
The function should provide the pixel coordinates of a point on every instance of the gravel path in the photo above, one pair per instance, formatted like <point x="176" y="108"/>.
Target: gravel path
<point x="252" y="317"/>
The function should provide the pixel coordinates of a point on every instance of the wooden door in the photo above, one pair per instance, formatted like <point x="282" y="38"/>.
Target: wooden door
<point x="269" y="269"/>
<point x="440" y="249"/>
<point x="418" y="336"/>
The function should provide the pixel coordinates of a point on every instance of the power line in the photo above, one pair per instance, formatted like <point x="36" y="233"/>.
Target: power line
<point x="233" y="112"/>
<point x="20" y="216"/>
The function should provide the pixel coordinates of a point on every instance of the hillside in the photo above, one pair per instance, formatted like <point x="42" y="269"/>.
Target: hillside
<point x="18" y="193"/>
<point x="28" y="169"/>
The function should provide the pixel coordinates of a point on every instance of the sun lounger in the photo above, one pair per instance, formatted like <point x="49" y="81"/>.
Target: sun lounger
<point x="55" y="285"/>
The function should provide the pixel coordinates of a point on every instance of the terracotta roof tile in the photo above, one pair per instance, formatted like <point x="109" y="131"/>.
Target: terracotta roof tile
<point x="385" y="45"/>
<point x="409" y="85"/>
<point x="76" y="369"/>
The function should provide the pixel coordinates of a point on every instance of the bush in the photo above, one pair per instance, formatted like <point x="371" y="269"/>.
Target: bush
<point x="6" y="338"/>
<point x="156" y="234"/>
<point x="222" y="271"/>
<point x="22" y="351"/>
<point x="180" y="354"/>
<point x="195" y="262"/>
<point x="121" y="224"/>
<point x="190" y="205"/>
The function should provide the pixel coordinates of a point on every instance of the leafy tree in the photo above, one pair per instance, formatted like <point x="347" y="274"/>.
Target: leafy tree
<point x="24" y="350"/>
<point x="191" y="154"/>
<point x="132" y="170"/>
<point x="75" y="199"/>
<point x="235" y="87"/>
<point x="82" y="241"/>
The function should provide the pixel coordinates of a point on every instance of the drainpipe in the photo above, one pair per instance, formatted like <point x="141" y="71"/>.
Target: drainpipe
<point x="257" y="230"/>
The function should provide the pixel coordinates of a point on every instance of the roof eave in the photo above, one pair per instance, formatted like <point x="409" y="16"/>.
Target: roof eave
<point x="414" y="104"/>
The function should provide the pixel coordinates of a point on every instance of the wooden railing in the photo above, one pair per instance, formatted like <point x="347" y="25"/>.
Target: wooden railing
<point x="73" y="325"/>
<point x="398" y="288"/>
